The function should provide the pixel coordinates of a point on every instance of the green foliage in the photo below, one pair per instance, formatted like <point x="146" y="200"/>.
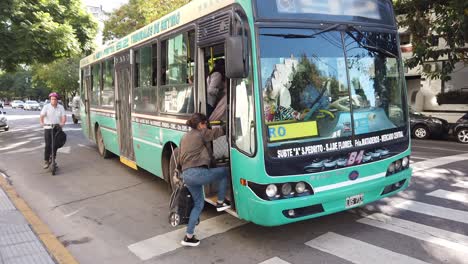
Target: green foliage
<point x="34" y="31"/>
<point x="18" y="85"/>
<point x="136" y="14"/>
<point x="452" y="97"/>
<point x="61" y="75"/>
<point x="447" y="19"/>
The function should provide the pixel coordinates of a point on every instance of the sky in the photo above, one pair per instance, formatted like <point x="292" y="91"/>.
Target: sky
<point x="107" y="5"/>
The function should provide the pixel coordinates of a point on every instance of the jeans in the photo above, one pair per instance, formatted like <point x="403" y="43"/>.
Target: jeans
<point x="48" y="143"/>
<point x="195" y="178"/>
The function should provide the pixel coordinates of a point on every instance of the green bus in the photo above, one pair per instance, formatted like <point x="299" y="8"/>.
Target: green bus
<point x="316" y="112"/>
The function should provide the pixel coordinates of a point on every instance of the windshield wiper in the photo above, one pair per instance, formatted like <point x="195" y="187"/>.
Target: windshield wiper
<point x="372" y="47"/>
<point x="294" y="36"/>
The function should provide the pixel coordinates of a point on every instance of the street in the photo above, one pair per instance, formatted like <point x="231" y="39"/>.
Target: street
<point x="105" y="212"/>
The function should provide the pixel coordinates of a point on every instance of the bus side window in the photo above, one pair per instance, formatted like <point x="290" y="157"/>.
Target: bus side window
<point x="176" y="93"/>
<point x="144" y="95"/>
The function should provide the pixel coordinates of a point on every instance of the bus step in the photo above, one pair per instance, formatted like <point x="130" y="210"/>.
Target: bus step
<point x="213" y="199"/>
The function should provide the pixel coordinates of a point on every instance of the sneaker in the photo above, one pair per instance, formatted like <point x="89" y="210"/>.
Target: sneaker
<point x="222" y="206"/>
<point x="190" y="242"/>
<point x="46" y="164"/>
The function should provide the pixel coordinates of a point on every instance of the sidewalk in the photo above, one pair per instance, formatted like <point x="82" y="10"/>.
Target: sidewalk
<point x="24" y="238"/>
<point x="18" y="243"/>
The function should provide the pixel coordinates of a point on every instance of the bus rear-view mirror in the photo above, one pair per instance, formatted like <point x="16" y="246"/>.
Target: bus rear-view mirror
<point x="235" y="57"/>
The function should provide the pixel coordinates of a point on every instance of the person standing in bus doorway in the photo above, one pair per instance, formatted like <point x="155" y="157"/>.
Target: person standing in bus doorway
<point x="216" y="85"/>
<point x="52" y="114"/>
<point x="195" y="158"/>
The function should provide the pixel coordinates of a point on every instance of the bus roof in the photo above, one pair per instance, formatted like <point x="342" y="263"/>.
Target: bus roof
<point x="187" y="13"/>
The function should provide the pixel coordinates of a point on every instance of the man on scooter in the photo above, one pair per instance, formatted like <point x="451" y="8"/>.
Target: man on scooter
<point x="51" y="114"/>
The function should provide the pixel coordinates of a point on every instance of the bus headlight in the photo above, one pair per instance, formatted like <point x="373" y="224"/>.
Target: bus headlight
<point x="278" y="191"/>
<point x="391" y="168"/>
<point x="300" y="187"/>
<point x="398" y="165"/>
<point x="405" y="162"/>
<point x="286" y="189"/>
<point x="271" y="190"/>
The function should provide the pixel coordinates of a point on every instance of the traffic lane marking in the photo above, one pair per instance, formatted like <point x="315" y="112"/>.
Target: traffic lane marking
<point x="427" y="233"/>
<point x="274" y="260"/>
<point x="443" y="149"/>
<point x="453" y="196"/>
<point x="431" y="163"/>
<point x="170" y="241"/>
<point x="434" y="210"/>
<point x="357" y="251"/>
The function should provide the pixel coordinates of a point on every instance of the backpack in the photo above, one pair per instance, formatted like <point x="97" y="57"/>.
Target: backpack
<point x="60" y="138"/>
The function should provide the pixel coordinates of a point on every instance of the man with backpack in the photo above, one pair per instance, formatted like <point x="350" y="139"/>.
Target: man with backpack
<point x="52" y="114"/>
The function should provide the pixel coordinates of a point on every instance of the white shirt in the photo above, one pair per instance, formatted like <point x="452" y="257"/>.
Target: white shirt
<point x="52" y="115"/>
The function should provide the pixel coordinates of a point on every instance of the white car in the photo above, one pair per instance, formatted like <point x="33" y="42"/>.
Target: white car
<point x="31" y="105"/>
<point x="3" y="121"/>
<point x="17" y="104"/>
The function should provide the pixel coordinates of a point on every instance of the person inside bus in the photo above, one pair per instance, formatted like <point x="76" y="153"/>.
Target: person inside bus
<point x="219" y="113"/>
<point x="216" y="85"/>
<point x="196" y="158"/>
<point x="52" y="114"/>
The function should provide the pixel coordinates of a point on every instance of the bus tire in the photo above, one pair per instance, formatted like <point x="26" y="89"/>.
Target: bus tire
<point x="174" y="179"/>
<point x="100" y="143"/>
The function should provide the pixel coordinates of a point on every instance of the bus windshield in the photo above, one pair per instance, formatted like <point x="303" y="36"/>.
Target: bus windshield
<point x="330" y="85"/>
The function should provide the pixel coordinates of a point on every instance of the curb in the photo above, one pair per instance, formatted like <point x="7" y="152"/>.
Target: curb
<point x="55" y="248"/>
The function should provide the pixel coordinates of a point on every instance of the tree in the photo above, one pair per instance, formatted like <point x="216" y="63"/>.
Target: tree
<point x="34" y="31"/>
<point x="136" y="14"/>
<point x="426" y="20"/>
<point x="61" y="76"/>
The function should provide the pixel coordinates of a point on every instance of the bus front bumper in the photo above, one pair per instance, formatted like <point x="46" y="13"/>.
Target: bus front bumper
<point x="284" y="211"/>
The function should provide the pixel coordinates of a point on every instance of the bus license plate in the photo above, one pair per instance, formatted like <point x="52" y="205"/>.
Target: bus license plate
<point x="354" y="200"/>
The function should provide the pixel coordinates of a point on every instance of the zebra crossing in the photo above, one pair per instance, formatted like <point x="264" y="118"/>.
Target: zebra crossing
<point x="425" y="224"/>
<point x="444" y="245"/>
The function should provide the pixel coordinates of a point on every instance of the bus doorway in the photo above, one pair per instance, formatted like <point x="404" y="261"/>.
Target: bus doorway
<point x="86" y="95"/>
<point x="123" y="109"/>
<point x="216" y="93"/>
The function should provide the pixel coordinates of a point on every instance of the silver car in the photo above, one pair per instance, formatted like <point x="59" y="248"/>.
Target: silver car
<point x="3" y="121"/>
<point x="31" y="105"/>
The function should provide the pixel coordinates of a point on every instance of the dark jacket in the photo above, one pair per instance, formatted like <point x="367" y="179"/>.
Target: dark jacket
<point x="195" y="150"/>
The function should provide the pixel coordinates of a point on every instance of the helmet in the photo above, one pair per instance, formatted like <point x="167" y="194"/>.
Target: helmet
<point x="54" y="94"/>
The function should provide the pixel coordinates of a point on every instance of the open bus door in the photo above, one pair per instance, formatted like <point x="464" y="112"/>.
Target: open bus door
<point x="123" y="109"/>
<point x="220" y="146"/>
<point x="86" y="95"/>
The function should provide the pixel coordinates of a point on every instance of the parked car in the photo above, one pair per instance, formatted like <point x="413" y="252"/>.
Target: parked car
<point x="460" y="129"/>
<point x="423" y="126"/>
<point x="17" y="104"/>
<point x="31" y="105"/>
<point x="3" y="121"/>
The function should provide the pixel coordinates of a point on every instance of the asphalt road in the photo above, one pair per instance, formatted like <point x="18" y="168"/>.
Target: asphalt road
<point x="105" y="212"/>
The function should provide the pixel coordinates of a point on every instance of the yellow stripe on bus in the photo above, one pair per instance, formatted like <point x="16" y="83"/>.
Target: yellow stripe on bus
<point x="292" y="130"/>
<point x="129" y="163"/>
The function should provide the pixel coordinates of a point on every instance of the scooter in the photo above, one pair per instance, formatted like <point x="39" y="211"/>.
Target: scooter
<point x="55" y="130"/>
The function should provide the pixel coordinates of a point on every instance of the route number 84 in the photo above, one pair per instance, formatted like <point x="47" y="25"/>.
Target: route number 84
<point x="355" y="158"/>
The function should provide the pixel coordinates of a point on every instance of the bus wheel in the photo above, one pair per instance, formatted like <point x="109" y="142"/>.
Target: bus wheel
<point x="100" y="143"/>
<point x="175" y="178"/>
